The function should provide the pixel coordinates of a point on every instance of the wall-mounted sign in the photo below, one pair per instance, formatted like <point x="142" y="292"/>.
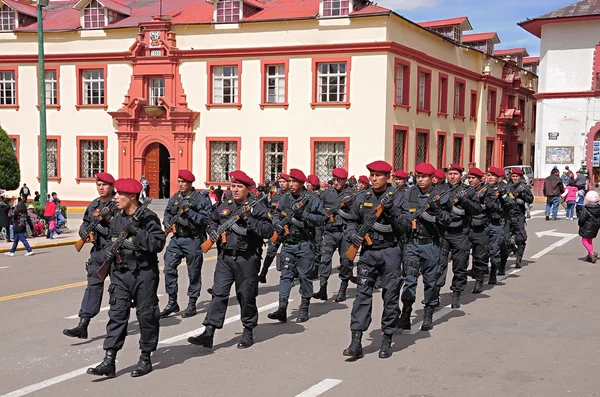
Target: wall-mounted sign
<point x="553" y="136"/>
<point x="156" y="53"/>
<point x="596" y="154"/>
<point x="560" y="154"/>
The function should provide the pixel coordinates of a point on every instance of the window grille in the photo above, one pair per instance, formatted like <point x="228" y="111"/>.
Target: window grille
<point x="457" y="149"/>
<point x="421" y="148"/>
<point x="273" y="153"/>
<point x="489" y="153"/>
<point x="223" y="160"/>
<point x="329" y="155"/>
<point x="52" y="156"/>
<point x="399" y="149"/>
<point x="441" y="146"/>
<point x="92" y="158"/>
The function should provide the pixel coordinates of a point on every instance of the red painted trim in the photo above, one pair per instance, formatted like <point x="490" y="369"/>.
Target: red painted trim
<point x="590" y="138"/>
<point x="472" y="150"/>
<point x="462" y="147"/>
<point x="80" y="138"/>
<point x="17" y="139"/>
<point x="404" y="128"/>
<point x="462" y="98"/>
<point x="263" y="87"/>
<point x="426" y="132"/>
<point x="443" y="92"/>
<point x="314" y="140"/>
<point x="209" y="139"/>
<point x="494" y="99"/>
<point x="534" y="26"/>
<point x="75" y="203"/>
<point x="427" y="95"/>
<point x="58" y="146"/>
<point x="405" y="84"/>
<point x="574" y="94"/>
<point x="209" y="85"/>
<point x="492" y="161"/>
<point x="264" y="140"/>
<point x="473" y="104"/>
<point x="79" y="69"/>
<point x="315" y="63"/>
<point x="14" y="69"/>
<point x="440" y="162"/>
<point x="56" y="68"/>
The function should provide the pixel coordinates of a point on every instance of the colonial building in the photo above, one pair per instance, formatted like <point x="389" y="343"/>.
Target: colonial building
<point x="568" y="100"/>
<point x="136" y="90"/>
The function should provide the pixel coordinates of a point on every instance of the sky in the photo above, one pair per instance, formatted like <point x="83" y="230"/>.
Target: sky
<point x="484" y="15"/>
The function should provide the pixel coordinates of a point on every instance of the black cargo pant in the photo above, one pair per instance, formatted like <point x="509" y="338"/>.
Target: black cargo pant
<point x="297" y="259"/>
<point x="505" y="251"/>
<point x="518" y="230"/>
<point x="241" y="269"/>
<point x="334" y="239"/>
<point x="497" y="245"/>
<point x="478" y="236"/>
<point x="141" y="286"/>
<point x="421" y="259"/>
<point x="271" y="253"/>
<point x="189" y="248"/>
<point x="384" y="263"/>
<point x="457" y="243"/>
<point x="92" y="297"/>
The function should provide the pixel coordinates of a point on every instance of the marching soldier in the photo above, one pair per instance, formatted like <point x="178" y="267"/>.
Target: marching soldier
<point x="381" y="258"/>
<point x="363" y="183"/>
<point x="238" y="260"/>
<point x="133" y="279"/>
<point x="478" y="235"/>
<point x="523" y="198"/>
<point x="297" y="254"/>
<point x="100" y="210"/>
<point x="430" y="211"/>
<point x="400" y="177"/>
<point x="333" y="237"/>
<point x="284" y="187"/>
<point x="192" y="210"/>
<point x="439" y="178"/>
<point x="313" y="183"/>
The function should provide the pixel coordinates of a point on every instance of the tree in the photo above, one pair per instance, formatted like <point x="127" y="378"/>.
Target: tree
<point x="10" y="172"/>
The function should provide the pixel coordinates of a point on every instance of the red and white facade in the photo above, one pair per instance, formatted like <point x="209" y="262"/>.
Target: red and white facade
<point x="260" y="86"/>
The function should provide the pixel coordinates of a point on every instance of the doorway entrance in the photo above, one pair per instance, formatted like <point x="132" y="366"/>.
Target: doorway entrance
<point x="156" y="165"/>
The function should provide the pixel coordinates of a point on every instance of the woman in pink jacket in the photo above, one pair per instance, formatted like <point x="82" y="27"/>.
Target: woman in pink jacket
<point x="570" y="196"/>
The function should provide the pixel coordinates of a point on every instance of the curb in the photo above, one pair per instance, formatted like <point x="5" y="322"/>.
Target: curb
<point x="74" y="210"/>
<point x="45" y="245"/>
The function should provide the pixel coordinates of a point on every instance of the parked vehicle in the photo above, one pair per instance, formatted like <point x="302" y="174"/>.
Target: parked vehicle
<point x="527" y="171"/>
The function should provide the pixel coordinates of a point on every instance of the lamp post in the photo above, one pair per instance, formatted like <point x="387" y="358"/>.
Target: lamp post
<point x="42" y="94"/>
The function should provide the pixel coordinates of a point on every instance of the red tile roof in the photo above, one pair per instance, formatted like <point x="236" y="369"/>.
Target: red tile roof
<point x="581" y="10"/>
<point x="530" y="60"/>
<point x="511" y="51"/>
<point x="117" y="7"/>
<point x="477" y="37"/>
<point x="440" y="23"/>
<point x="21" y="8"/>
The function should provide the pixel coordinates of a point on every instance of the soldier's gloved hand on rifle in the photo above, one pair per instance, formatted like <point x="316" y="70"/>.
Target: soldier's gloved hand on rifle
<point x="183" y="222"/>
<point x="278" y="228"/>
<point x="434" y="204"/>
<point x="133" y="228"/>
<point x="387" y="202"/>
<point x="246" y="214"/>
<point x="82" y="234"/>
<point x="297" y="209"/>
<point x="185" y="205"/>
<point x="213" y="236"/>
<point x="346" y="201"/>
<point x="109" y="256"/>
<point x="106" y="213"/>
<point x="356" y="239"/>
<point x="462" y="196"/>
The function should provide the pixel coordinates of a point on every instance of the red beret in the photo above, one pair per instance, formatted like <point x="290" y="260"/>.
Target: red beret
<point x="105" y="177"/>
<point x="379" y="166"/>
<point x="476" y="172"/>
<point x="517" y="171"/>
<point x="314" y="180"/>
<point x="241" y="177"/>
<point x="284" y="176"/>
<point x="456" y="167"/>
<point x="128" y="185"/>
<point x="439" y="174"/>
<point x="339" y="173"/>
<point x="187" y="175"/>
<point x="364" y="180"/>
<point x="499" y="172"/>
<point x="425" y="169"/>
<point x="297" y="175"/>
<point x="401" y="174"/>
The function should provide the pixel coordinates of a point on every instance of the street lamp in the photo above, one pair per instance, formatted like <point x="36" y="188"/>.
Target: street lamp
<point x="42" y="94"/>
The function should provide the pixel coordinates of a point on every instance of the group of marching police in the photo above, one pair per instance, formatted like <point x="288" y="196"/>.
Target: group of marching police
<point x="397" y="232"/>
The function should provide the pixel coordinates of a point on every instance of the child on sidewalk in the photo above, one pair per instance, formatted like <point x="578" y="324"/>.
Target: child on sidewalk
<point x="589" y="224"/>
<point x="21" y="220"/>
<point x="570" y="196"/>
<point x="580" y="202"/>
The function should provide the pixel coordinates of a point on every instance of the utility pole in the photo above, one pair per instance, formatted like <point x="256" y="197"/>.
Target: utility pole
<point x="42" y="93"/>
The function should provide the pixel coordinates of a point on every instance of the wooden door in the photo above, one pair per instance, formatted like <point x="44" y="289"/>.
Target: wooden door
<point x="152" y="169"/>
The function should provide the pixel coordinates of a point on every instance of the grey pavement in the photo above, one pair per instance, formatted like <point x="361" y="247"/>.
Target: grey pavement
<point x="534" y="334"/>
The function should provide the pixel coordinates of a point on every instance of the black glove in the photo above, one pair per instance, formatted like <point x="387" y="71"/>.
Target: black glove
<point x="133" y="228"/>
<point x="213" y="236"/>
<point x="82" y="234"/>
<point x="247" y="213"/>
<point x="387" y="202"/>
<point x="185" y="205"/>
<point x="434" y="205"/>
<point x="109" y="256"/>
<point x="297" y="209"/>
<point x="346" y="201"/>
<point x="183" y="222"/>
<point x="278" y="228"/>
<point x="356" y="240"/>
<point x="106" y="213"/>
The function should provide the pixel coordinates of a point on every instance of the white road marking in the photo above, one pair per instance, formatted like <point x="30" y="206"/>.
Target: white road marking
<point x="533" y="213"/>
<point x="102" y="309"/>
<point x="4" y="267"/>
<point x="565" y="238"/>
<point x="320" y="388"/>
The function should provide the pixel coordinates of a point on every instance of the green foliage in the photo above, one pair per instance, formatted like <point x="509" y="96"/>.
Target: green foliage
<point x="39" y="209"/>
<point x="10" y="172"/>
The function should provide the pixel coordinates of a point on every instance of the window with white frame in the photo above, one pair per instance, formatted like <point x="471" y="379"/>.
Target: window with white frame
<point x="225" y="84"/>
<point x="93" y="15"/>
<point x="334" y="8"/>
<point x="228" y="11"/>
<point x="92" y="158"/>
<point x="8" y="88"/>
<point x="457" y="99"/>
<point x="422" y="87"/>
<point x="52" y="149"/>
<point x="329" y="155"/>
<point x="275" y="84"/>
<point x="331" y="82"/>
<point x="273" y="152"/>
<point x="93" y="87"/>
<point x="8" y="18"/>
<point x="156" y="88"/>
<point x="51" y="87"/>
<point x="223" y="160"/>
<point x="399" y="84"/>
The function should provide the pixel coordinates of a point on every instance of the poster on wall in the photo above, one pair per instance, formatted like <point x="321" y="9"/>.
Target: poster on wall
<point x="560" y="154"/>
<point x="596" y="154"/>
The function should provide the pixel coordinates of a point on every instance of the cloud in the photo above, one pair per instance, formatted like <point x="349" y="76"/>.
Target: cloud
<point x="408" y="4"/>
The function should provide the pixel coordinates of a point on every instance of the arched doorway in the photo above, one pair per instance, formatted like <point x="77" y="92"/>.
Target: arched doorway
<point x="156" y="164"/>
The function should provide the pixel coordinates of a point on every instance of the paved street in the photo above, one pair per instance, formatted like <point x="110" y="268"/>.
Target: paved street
<point x="534" y="334"/>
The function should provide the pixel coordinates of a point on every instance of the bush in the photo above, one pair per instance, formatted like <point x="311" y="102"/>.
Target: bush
<point x="10" y="172"/>
<point x="39" y="209"/>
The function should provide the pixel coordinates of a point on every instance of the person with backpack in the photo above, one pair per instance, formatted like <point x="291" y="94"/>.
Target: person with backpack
<point x="589" y="224"/>
<point x="20" y="222"/>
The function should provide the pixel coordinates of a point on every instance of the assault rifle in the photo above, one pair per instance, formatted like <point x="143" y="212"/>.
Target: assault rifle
<point x="340" y="204"/>
<point x="289" y="215"/>
<point x="230" y="222"/>
<point x="171" y="226"/>
<point x="116" y="246"/>
<point x="89" y="236"/>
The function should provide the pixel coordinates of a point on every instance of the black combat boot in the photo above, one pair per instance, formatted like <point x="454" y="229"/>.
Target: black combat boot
<point x="281" y="313"/>
<point x="502" y="270"/>
<point x="428" y="318"/>
<point x="247" y="339"/>
<point x="455" y="299"/>
<point x="143" y="367"/>
<point x="492" y="279"/>
<point x="385" y="351"/>
<point x="518" y="263"/>
<point x="303" y="316"/>
<point x="341" y="295"/>
<point x="80" y="331"/>
<point x="107" y="366"/>
<point x="404" y="319"/>
<point x="172" y="307"/>
<point x="191" y="308"/>
<point x="355" y="350"/>
<point x="478" y="288"/>
<point x="204" y="339"/>
<point x="322" y="293"/>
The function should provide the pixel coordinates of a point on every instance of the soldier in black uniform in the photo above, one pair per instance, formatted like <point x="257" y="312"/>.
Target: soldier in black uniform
<point x="298" y="252"/>
<point x="382" y="258"/>
<point x="334" y="235"/>
<point x="102" y="208"/>
<point x="430" y="210"/>
<point x="400" y="177"/>
<point x="313" y="183"/>
<point x="523" y="198"/>
<point x="363" y="182"/>
<point x="465" y="204"/>
<point x="284" y="187"/>
<point x="238" y="261"/>
<point x="478" y="235"/>
<point x="134" y="279"/>
<point x="189" y="234"/>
